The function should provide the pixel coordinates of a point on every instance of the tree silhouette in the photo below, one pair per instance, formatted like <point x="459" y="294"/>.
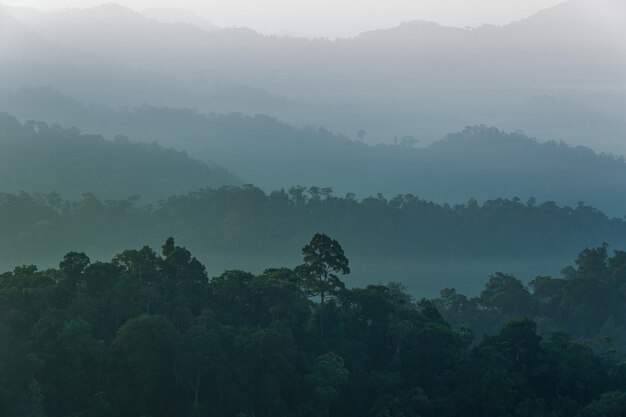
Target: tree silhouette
<point x="323" y="260"/>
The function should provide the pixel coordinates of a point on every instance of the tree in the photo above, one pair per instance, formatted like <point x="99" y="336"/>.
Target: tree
<point x="35" y="405"/>
<point x="610" y="404"/>
<point x="519" y="342"/>
<point x="269" y="378"/>
<point x="73" y="266"/>
<point x="323" y="260"/>
<point x="325" y="378"/>
<point x="506" y="294"/>
<point x="143" y="355"/>
<point x="198" y="354"/>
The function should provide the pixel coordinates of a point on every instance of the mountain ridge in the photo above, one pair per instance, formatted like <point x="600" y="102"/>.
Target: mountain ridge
<point x="273" y="154"/>
<point x="425" y="85"/>
<point x="42" y="158"/>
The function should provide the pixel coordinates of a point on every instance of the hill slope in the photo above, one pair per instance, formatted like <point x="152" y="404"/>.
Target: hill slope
<point x="36" y="157"/>
<point x="480" y="162"/>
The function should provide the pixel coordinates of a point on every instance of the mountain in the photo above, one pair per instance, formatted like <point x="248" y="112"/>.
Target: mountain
<point x="18" y="42"/>
<point x="478" y="162"/>
<point x="419" y="79"/>
<point x="38" y="157"/>
<point x="33" y="56"/>
<point x="179" y="16"/>
<point x="477" y="54"/>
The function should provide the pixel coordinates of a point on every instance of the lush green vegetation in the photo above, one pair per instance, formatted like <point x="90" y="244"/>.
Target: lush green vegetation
<point x="37" y="157"/>
<point x="244" y="222"/>
<point x="149" y="334"/>
<point x="588" y="301"/>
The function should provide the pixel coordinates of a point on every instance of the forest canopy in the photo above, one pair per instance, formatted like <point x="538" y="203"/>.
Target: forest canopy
<point x="245" y="222"/>
<point x="150" y="333"/>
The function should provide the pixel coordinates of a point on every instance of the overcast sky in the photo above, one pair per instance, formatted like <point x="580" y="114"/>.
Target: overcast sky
<point x="330" y="18"/>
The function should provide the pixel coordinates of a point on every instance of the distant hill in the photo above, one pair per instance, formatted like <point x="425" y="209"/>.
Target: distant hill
<point x="38" y="157"/>
<point x="478" y="162"/>
<point x="179" y="16"/>
<point x="30" y="57"/>
<point x="582" y="36"/>
<point x="558" y="74"/>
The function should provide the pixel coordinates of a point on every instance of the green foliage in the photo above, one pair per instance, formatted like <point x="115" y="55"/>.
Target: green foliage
<point x="587" y="301"/>
<point x="323" y="259"/>
<point x="152" y="335"/>
<point x="35" y="405"/>
<point x="326" y="377"/>
<point x="143" y="352"/>
<point x="610" y="404"/>
<point x="507" y="295"/>
<point x="232" y="225"/>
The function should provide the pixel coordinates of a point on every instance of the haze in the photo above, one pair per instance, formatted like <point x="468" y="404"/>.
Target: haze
<point x="313" y="208"/>
<point x="327" y="18"/>
<point x="402" y="106"/>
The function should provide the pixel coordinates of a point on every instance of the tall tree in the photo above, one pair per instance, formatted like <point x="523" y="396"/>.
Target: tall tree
<point x="323" y="260"/>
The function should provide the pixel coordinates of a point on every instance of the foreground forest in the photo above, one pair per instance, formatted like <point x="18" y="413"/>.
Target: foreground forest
<point x="587" y="301"/>
<point x="150" y="334"/>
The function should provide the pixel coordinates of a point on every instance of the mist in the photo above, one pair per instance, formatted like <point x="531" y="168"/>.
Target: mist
<point x="312" y="209"/>
<point x="322" y="19"/>
<point x="557" y="75"/>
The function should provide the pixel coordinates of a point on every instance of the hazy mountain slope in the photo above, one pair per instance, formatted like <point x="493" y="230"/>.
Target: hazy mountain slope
<point x="532" y="52"/>
<point x="419" y="78"/>
<point x="179" y="16"/>
<point x="30" y="57"/>
<point x="36" y="157"/>
<point x="478" y="163"/>
<point x="19" y="42"/>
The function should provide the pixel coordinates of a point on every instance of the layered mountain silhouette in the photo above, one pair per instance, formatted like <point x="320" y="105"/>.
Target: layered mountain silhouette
<point x="419" y="78"/>
<point x="478" y="162"/>
<point x="179" y="16"/>
<point x="37" y="157"/>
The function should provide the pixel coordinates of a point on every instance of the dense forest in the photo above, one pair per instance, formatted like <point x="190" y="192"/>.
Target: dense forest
<point x="38" y="157"/>
<point x="244" y="223"/>
<point x="479" y="162"/>
<point x="587" y="301"/>
<point x="149" y="334"/>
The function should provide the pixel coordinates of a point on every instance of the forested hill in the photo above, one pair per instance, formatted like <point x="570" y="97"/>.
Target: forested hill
<point x="150" y="334"/>
<point x="38" y="157"/>
<point x="479" y="162"/>
<point x="245" y="227"/>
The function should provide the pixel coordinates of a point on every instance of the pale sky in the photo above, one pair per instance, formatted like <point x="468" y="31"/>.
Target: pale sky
<point x="328" y="18"/>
